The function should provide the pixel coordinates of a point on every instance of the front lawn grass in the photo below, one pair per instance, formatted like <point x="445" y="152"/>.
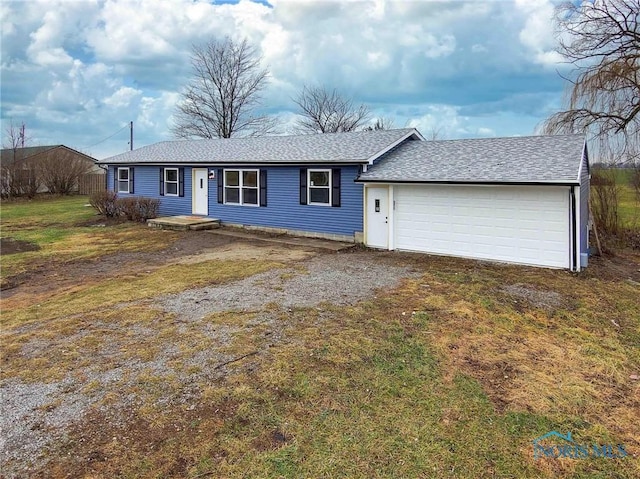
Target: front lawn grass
<point x="446" y="376"/>
<point x="58" y="227"/>
<point x="450" y="375"/>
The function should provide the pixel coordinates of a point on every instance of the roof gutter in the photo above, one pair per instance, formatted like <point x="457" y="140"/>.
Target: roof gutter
<point x="459" y="182"/>
<point x="234" y="163"/>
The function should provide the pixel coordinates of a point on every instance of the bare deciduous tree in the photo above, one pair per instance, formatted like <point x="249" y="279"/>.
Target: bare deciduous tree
<point x="19" y="178"/>
<point x="18" y="175"/>
<point x="381" y="123"/>
<point x="601" y="40"/>
<point x="435" y="133"/>
<point x="60" y="171"/>
<point x="220" y="100"/>
<point x="325" y="111"/>
<point x="14" y="137"/>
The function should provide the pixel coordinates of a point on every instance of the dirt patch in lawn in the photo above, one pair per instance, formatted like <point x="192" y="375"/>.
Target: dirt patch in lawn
<point x="549" y="300"/>
<point x="247" y="250"/>
<point x="625" y="265"/>
<point x="13" y="246"/>
<point x="100" y="221"/>
<point x="190" y="247"/>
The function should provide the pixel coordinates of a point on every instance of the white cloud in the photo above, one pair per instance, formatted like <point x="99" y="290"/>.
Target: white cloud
<point x="94" y="65"/>
<point x="478" y="48"/>
<point x="441" y="120"/>
<point x="538" y="31"/>
<point x="482" y="131"/>
<point x="122" y="97"/>
<point x="60" y="28"/>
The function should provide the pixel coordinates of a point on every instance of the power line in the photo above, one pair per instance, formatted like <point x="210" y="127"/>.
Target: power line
<point x="107" y="138"/>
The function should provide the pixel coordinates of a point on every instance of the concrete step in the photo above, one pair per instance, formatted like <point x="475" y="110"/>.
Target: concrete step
<point x="184" y="223"/>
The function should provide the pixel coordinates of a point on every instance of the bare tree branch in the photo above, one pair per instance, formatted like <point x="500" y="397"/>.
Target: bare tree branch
<point x="220" y="100"/>
<point x="325" y="111"/>
<point x="601" y="40"/>
<point x="61" y="170"/>
<point x="18" y="176"/>
<point x="434" y="133"/>
<point x="381" y="123"/>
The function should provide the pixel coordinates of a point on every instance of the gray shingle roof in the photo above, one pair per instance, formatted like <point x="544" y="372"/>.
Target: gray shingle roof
<point x="9" y="155"/>
<point x="353" y="147"/>
<point x="532" y="159"/>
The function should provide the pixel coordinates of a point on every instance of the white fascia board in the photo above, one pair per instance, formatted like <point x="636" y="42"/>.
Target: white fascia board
<point x="393" y="145"/>
<point x="584" y="157"/>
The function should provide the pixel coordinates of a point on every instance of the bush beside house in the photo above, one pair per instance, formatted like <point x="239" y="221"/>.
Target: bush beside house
<point x="138" y="208"/>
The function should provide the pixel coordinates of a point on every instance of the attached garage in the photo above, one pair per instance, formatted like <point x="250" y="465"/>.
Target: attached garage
<point x="517" y="200"/>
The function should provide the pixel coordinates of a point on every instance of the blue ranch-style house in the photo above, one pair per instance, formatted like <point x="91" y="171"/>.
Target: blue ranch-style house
<point x="521" y="200"/>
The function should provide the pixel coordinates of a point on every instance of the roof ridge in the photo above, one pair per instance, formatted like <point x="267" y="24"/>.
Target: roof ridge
<point x="507" y="137"/>
<point x="298" y="135"/>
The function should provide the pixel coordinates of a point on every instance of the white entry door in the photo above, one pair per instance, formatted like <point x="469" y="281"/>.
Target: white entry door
<point x="200" y="192"/>
<point x="378" y="217"/>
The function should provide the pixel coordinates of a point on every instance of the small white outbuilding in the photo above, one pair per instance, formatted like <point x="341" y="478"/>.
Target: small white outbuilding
<point x="519" y="200"/>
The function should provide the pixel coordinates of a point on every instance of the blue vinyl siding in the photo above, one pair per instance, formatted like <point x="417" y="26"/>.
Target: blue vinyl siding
<point x="283" y="208"/>
<point x="147" y="184"/>
<point x="584" y="203"/>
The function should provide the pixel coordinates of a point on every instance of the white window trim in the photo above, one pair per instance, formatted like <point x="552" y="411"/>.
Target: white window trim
<point x="128" y="180"/>
<point x="309" y="186"/>
<point x="241" y="186"/>
<point x="177" y="182"/>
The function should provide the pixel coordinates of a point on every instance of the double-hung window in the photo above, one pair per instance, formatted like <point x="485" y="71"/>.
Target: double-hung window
<point x="171" y="181"/>
<point x="241" y="187"/>
<point x="319" y="187"/>
<point x="123" y="180"/>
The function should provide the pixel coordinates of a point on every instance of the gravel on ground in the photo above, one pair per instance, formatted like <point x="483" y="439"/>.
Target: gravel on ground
<point x="34" y="416"/>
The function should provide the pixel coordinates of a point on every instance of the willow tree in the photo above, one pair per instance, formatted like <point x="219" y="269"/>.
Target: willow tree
<point x="601" y="40"/>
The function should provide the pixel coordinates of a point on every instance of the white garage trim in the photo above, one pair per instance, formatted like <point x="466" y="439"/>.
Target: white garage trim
<point x="516" y="224"/>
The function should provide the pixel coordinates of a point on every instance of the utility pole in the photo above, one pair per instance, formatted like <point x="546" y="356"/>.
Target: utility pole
<point x="21" y="136"/>
<point x="131" y="135"/>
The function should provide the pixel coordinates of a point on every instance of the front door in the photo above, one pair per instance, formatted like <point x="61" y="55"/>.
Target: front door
<point x="200" y="192"/>
<point x="378" y="217"/>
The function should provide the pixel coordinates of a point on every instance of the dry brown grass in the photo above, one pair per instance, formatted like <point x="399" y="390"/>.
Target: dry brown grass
<point x="450" y="375"/>
<point x="572" y="361"/>
<point x="25" y="307"/>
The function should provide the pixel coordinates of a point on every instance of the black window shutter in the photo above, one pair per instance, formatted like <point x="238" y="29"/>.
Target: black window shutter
<point x="335" y="187"/>
<point x="263" y="187"/>
<point x="161" y="181"/>
<point x="220" y="185"/>
<point x="115" y="179"/>
<point x="180" y="181"/>
<point x="303" y="186"/>
<point x="131" y="180"/>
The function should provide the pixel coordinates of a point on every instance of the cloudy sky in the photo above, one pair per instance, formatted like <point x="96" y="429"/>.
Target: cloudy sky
<point x="76" y="72"/>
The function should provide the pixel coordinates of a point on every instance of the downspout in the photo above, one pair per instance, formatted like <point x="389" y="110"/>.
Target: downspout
<point x="574" y="249"/>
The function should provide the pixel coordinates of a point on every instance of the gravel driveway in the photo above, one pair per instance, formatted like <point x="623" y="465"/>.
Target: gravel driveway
<point x="35" y="416"/>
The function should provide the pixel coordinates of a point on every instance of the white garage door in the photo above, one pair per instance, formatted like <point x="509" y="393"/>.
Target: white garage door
<point x="528" y="225"/>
